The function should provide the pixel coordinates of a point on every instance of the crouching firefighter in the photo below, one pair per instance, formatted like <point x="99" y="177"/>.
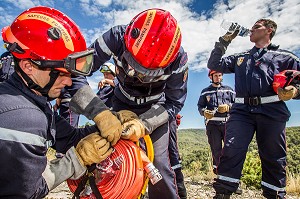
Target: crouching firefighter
<point x="151" y="72"/>
<point x="43" y="67"/>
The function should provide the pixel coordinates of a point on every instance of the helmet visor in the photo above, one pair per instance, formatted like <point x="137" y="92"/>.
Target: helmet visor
<point x="79" y="63"/>
<point x="134" y="69"/>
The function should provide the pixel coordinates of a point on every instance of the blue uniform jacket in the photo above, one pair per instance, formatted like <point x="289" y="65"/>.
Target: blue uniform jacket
<point x="254" y="73"/>
<point x="171" y="87"/>
<point x="211" y="97"/>
<point x="28" y="127"/>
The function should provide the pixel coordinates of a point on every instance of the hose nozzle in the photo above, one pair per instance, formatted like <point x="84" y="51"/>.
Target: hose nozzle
<point x="153" y="173"/>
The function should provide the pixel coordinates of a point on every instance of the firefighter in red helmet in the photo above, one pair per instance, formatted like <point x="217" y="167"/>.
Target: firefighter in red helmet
<point x="151" y="72"/>
<point x="47" y="47"/>
<point x="214" y="104"/>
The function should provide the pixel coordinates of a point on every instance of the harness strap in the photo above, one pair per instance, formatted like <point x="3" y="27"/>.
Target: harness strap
<point x="139" y="100"/>
<point x="89" y="176"/>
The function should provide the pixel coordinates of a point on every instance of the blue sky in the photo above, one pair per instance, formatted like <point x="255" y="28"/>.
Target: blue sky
<point x="200" y="25"/>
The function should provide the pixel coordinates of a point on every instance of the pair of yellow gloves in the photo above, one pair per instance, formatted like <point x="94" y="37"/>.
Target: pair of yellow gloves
<point x="223" y="108"/>
<point x="112" y="126"/>
<point x="97" y="146"/>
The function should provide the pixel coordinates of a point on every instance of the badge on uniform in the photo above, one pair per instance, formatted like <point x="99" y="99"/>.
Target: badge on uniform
<point x="240" y="61"/>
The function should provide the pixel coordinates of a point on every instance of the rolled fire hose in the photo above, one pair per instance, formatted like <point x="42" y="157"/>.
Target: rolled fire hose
<point x="124" y="174"/>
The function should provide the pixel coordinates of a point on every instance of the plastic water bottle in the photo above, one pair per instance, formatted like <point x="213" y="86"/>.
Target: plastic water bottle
<point x="243" y="31"/>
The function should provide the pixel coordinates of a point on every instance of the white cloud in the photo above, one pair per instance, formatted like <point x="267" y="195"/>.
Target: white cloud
<point x="25" y="4"/>
<point x="200" y="31"/>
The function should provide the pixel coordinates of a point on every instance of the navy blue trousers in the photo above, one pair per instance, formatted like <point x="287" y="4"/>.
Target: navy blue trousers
<point x="271" y="141"/>
<point x="175" y="159"/>
<point x="215" y="136"/>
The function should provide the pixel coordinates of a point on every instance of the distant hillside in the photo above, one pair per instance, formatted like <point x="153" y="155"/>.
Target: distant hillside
<point x="194" y="150"/>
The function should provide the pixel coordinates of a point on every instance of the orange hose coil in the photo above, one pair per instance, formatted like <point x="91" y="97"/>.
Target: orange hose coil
<point x="127" y="181"/>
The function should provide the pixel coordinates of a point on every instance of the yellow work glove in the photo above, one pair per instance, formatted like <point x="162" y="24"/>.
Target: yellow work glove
<point x="208" y="114"/>
<point x="126" y="115"/>
<point x="287" y="93"/>
<point x="223" y="108"/>
<point x="109" y="126"/>
<point x="93" y="149"/>
<point x="133" y="130"/>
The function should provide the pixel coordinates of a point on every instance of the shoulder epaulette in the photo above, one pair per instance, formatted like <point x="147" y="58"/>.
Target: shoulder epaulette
<point x="242" y="53"/>
<point x="285" y="52"/>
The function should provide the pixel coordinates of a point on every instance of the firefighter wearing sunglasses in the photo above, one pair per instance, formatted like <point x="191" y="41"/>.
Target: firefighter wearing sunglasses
<point x="151" y="72"/>
<point x="47" y="47"/>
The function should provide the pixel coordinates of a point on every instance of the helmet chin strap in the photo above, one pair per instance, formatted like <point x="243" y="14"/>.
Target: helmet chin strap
<point x="45" y="90"/>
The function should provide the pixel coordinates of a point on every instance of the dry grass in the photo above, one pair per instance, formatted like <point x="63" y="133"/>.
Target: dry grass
<point x="292" y="188"/>
<point x="293" y="184"/>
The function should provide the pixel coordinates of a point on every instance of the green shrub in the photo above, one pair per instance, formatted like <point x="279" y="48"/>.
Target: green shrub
<point x="196" y="155"/>
<point x="252" y="171"/>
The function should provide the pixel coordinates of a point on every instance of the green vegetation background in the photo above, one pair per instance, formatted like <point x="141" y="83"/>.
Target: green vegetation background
<point x="196" y="156"/>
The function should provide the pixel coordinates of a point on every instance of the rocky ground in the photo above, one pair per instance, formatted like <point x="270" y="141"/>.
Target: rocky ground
<point x="196" y="190"/>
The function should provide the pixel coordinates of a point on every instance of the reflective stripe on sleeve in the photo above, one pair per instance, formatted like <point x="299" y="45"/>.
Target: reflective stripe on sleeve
<point x="272" y="186"/>
<point x="21" y="137"/>
<point x="179" y="70"/>
<point x="228" y="179"/>
<point x="103" y="46"/>
<point x="215" y="91"/>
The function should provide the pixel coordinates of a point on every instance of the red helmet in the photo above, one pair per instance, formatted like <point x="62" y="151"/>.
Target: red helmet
<point x="43" y="33"/>
<point x="153" y="39"/>
<point x="211" y="72"/>
<point x="285" y="78"/>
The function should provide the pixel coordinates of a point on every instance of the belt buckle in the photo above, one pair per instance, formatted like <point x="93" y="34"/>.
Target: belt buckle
<point x="254" y="101"/>
<point x="140" y="100"/>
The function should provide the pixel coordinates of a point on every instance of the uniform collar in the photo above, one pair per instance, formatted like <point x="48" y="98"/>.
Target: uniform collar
<point x="221" y="85"/>
<point x="19" y="84"/>
<point x="272" y="47"/>
<point x="269" y="47"/>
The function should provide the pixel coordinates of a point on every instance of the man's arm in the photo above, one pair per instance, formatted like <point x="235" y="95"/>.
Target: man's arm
<point x="176" y="88"/>
<point x="215" y="62"/>
<point x="201" y="104"/>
